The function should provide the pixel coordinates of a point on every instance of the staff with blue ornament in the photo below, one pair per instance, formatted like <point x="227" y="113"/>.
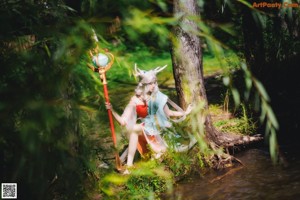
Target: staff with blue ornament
<point x="103" y="62"/>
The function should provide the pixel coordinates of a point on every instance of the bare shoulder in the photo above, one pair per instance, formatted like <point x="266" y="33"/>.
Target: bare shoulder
<point x="134" y="100"/>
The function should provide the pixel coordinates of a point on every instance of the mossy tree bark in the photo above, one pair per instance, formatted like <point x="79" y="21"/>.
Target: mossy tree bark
<point x="187" y="62"/>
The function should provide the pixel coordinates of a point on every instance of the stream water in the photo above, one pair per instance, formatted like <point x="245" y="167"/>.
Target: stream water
<point x="258" y="179"/>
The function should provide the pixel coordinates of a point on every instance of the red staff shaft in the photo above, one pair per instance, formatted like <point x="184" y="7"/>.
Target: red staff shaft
<point x="110" y="117"/>
<point x="111" y="122"/>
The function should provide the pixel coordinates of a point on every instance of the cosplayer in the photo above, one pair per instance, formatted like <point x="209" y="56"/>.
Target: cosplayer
<point x="146" y="115"/>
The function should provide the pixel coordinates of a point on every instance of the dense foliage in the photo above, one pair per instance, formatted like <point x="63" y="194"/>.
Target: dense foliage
<point x="45" y="87"/>
<point x="53" y="130"/>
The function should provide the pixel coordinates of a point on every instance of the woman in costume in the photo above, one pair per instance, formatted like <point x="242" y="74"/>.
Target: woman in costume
<point x="149" y="107"/>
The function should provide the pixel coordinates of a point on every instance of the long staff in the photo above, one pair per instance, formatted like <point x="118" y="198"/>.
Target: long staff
<point x="102" y="73"/>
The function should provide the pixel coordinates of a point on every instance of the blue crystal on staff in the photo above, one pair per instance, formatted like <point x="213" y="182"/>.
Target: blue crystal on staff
<point x="101" y="60"/>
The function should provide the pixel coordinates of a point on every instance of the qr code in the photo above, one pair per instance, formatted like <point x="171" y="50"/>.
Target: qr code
<point x="9" y="191"/>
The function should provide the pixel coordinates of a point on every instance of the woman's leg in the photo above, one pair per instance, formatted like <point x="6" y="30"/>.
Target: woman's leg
<point x="133" y="141"/>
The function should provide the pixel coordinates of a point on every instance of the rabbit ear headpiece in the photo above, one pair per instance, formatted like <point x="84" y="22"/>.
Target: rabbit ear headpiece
<point x="147" y="76"/>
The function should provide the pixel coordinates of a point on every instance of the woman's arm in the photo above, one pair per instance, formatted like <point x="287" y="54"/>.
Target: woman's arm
<point x="119" y="119"/>
<point x="128" y="118"/>
<point x="171" y="113"/>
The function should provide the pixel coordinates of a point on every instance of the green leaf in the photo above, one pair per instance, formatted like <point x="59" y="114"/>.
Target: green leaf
<point x="273" y="146"/>
<point x="268" y="128"/>
<point x="263" y="112"/>
<point x="228" y="28"/>
<point x="246" y="3"/>
<point x="244" y="67"/>
<point x="272" y="117"/>
<point x="257" y="101"/>
<point x="248" y="81"/>
<point x="261" y="89"/>
<point x="260" y="19"/>
<point x="226" y="80"/>
<point x="236" y="96"/>
<point x="47" y="50"/>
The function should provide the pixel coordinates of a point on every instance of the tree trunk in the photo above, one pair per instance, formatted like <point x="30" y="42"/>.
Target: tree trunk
<point x="188" y="74"/>
<point x="187" y="62"/>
